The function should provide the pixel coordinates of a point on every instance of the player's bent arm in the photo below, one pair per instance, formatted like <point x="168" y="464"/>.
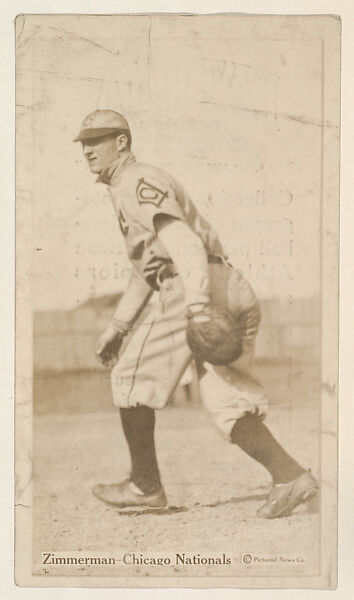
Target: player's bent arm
<point x="188" y="253"/>
<point x="135" y="297"/>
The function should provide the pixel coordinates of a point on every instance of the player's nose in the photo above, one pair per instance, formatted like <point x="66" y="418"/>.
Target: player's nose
<point x="87" y="150"/>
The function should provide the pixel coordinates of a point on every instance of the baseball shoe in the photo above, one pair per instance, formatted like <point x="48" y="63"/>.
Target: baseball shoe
<point x="284" y="497"/>
<point x="121" y="495"/>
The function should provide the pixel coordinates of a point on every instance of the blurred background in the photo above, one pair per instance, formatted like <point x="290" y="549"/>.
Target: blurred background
<point x="67" y="376"/>
<point x="233" y="108"/>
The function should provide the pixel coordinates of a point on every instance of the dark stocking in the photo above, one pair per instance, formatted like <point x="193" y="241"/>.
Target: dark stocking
<point x="138" y="426"/>
<point x="254" y="438"/>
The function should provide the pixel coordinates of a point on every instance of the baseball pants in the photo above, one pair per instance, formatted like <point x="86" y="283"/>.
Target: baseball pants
<point x="156" y="354"/>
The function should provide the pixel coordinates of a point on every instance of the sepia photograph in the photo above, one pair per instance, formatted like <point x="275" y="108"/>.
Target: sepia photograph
<point x="177" y="209"/>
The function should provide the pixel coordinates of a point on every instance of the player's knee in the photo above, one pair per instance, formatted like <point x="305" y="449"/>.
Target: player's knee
<point x="244" y="425"/>
<point x="226" y="421"/>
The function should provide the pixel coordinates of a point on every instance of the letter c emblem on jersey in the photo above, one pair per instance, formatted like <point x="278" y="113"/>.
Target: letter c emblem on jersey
<point x="149" y="194"/>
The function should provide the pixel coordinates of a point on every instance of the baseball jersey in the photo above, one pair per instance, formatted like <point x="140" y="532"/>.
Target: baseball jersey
<point x="139" y="193"/>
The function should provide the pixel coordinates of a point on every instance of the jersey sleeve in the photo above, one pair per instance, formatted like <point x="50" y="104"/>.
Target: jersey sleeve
<point x="153" y="195"/>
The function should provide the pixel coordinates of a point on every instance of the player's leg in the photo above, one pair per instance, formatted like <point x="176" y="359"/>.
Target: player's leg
<point x="138" y="425"/>
<point x="144" y="378"/>
<point x="238" y="410"/>
<point x="237" y="403"/>
<point x="292" y="484"/>
<point x="253" y="437"/>
<point x="143" y="487"/>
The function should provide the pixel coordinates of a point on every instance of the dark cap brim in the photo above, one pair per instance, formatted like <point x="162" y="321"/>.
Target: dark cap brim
<point x="92" y="133"/>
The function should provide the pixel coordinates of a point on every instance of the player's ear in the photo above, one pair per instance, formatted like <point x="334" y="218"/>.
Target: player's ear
<point x="121" y="141"/>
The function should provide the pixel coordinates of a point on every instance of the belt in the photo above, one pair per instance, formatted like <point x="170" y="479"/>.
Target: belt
<point x="169" y="270"/>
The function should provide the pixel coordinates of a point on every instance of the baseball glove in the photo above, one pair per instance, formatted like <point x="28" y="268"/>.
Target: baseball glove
<point x="213" y="335"/>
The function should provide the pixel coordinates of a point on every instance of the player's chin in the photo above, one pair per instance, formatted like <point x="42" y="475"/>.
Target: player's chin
<point x="94" y="167"/>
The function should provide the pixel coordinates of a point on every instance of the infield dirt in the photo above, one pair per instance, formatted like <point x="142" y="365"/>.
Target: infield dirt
<point x="213" y="488"/>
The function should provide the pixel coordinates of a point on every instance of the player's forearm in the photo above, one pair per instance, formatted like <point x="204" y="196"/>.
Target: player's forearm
<point x="188" y="253"/>
<point x="134" y="299"/>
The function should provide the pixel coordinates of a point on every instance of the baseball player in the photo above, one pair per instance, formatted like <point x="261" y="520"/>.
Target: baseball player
<point x="173" y="250"/>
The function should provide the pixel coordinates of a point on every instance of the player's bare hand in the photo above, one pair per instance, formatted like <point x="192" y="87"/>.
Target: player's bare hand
<point x="108" y="346"/>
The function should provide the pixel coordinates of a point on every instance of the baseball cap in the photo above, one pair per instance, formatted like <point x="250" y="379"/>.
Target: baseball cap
<point x="99" y="123"/>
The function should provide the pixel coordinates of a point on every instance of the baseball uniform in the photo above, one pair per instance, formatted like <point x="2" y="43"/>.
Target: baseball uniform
<point x="156" y="353"/>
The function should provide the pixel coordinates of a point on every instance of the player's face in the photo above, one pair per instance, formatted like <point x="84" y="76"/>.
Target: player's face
<point x="100" y="152"/>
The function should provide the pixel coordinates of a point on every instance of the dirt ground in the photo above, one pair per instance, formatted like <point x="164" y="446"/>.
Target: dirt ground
<point x="213" y="488"/>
